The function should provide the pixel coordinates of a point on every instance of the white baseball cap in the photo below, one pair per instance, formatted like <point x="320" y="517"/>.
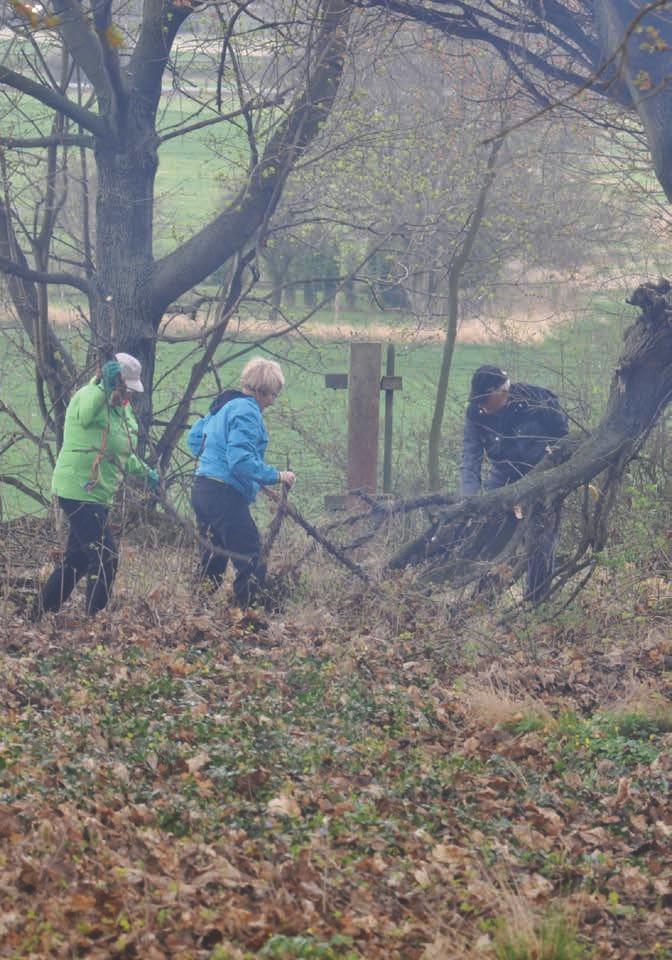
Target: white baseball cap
<point x="130" y="371"/>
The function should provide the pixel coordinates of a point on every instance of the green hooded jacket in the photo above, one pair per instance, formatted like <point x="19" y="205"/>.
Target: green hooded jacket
<point x="97" y="451"/>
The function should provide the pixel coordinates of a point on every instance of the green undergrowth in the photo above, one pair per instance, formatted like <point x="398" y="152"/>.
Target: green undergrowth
<point x="307" y="947"/>
<point x="314" y="772"/>
<point x="625" y="740"/>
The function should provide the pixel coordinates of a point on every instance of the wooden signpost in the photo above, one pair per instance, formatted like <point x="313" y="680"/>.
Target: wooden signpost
<point x="364" y="384"/>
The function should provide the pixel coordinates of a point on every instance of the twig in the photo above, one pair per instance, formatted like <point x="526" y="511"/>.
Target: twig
<point x="316" y="535"/>
<point x="275" y="524"/>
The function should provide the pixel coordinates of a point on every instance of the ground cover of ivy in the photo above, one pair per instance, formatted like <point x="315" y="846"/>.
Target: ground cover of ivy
<point x="376" y="781"/>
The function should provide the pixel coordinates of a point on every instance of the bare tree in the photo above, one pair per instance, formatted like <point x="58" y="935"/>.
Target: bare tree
<point x="92" y="98"/>
<point x="607" y="51"/>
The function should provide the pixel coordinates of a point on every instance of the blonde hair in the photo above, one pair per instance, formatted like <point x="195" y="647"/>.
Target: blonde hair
<point x="263" y="375"/>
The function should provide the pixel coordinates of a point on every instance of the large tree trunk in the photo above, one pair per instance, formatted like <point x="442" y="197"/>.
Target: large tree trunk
<point x="638" y="38"/>
<point x="482" y="529"/>
<point x="124" y="318"/>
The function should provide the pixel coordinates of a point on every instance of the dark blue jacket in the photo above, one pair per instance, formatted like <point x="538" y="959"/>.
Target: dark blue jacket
<point x="513" y="440"/>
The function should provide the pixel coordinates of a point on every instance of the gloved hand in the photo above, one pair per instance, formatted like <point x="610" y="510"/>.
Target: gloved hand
<point x="111" y="373"/>
<point x="153" y="481"/>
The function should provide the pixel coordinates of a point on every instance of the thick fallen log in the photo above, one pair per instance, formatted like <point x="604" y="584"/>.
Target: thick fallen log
<point x="492" y="528"/>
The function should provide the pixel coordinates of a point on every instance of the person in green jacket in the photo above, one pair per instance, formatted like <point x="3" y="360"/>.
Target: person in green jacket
<point x="98" y="441"/>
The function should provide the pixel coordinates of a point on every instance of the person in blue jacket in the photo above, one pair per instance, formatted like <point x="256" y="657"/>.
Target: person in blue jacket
<point x="512" y="426"/>
<point x="230" y="444"/>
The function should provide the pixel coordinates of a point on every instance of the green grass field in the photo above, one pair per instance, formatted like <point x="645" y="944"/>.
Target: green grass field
<point x="184" y="201"/>
<point x="308" y="424"/>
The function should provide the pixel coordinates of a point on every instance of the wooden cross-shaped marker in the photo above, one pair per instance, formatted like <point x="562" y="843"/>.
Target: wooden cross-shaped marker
<point x="365" y="383"/>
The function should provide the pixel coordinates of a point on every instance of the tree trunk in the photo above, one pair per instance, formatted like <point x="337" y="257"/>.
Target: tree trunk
<point x="309" y="294"/>
<point x="350" y="295"/>
<point x="277" y="270"/>
<point x="644" y="66"/>
<point x="128" y="290"/>
<point x="124" y="318"/>
<point x="460" y="259"/>
<point x="442" y="386"/>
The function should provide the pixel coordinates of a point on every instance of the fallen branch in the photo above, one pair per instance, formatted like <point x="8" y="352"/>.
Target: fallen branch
<point x="286" y="510"/>
<point x="313" y="532"/>
<point x="275" y="525"/>
<point x="479" y="530"/>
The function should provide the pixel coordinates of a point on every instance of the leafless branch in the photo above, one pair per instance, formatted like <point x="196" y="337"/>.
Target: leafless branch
<point x="54" y="99"/>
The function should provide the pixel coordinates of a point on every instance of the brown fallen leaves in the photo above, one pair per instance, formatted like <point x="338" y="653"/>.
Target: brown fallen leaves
<point x="197" y="785"/>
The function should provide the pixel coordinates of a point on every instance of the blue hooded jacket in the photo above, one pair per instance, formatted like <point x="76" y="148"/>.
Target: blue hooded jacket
<point x="231" y="444"/>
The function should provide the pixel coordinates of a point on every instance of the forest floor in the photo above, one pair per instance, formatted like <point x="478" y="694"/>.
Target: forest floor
<point x="358" y="776"/>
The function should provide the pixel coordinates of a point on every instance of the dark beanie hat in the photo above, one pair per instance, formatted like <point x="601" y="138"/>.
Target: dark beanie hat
<point x="486" y="379"/>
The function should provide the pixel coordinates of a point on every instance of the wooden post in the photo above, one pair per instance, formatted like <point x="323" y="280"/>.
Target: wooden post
<point x="387" y="441"/>
<point x="365" y="384"/>
<point x="363" y="416"/>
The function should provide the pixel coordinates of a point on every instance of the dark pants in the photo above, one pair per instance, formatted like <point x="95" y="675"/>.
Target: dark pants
<point x="543" y="540"/>
<point x="90" y="551"/>
<point x="227" y="530"/>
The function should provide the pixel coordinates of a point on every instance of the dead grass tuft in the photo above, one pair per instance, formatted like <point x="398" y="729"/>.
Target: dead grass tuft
<point x="520" y="930"/>
<point x="490" y="704"/>
<point x="647" y="701"/>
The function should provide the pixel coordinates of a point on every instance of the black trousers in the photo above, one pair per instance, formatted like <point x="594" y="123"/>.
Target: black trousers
<point x="90" y="551"/>
<point x="541" y="541"/>
<point x="543" y="538"/>
<point x="227" y="531"/>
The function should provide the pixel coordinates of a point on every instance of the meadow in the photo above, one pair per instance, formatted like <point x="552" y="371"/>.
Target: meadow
<point x="378" y="775"/>
<point x="308" y="424"/>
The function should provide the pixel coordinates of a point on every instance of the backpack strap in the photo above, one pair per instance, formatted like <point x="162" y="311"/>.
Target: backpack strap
<point x="94" y="475"/>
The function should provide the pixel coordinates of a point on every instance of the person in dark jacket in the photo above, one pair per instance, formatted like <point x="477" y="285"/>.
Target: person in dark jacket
<point x="230" y="444"/>
<point x="512" y="426"/>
